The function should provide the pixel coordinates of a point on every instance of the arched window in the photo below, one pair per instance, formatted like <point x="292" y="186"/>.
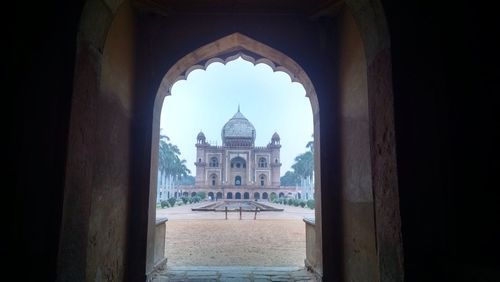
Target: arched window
<point x="238" y="162"/>
<point x="214" y="179"/>
<point x="262" y="180"/>
<point x="262" y="162"/>
<point x="237" y="181"/>
<point x="214" y="162"/>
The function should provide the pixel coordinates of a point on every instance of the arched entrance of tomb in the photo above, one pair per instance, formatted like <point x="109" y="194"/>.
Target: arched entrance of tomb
<point x="219" y="195"/>
<point x="237" y="180"/>
<point x="237" y="195"/>
<point x="238" y="171"/>
<point x="229" y="195"/>
<point x="256" y="196"/>
<point x="264" y="196"/>
<point x="210" y="195"/>
<point x="246" y="195"/>
<point x="100" y="104"/>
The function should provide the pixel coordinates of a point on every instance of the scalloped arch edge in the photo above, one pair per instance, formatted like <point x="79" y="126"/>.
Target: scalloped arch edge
<point x="229" y="48"/>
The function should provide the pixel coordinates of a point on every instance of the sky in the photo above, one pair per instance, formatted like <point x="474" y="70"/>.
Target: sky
<point x="207" y="99"/>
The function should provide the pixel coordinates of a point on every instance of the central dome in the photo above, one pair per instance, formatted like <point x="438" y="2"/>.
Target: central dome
<point x="238" y="131"/>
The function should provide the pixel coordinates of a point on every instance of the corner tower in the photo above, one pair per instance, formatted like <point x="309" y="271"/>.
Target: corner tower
<point x="275" y="147"/>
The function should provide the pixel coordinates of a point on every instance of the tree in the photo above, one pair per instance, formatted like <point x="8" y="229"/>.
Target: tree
<point x="304" y="165"/>
<point x="273" y="196"/>
<point x="187" y="180"/>
<point x="290" y="179"/>
<point x="172" y="201"/>
<point x="169" y="162"/>
<point x="303" y="168"/>
<point x="202" y="195"/>
<point x="172" y="169"/>
<point x="310" y="144"/>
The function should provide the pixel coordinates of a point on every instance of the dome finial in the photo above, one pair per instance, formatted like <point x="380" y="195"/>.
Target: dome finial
<point x="238" y="107"/>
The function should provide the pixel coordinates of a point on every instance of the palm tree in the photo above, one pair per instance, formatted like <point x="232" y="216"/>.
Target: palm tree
<point x="180" y="169"/>
<point x="310" y="144"/>
<point x="304" y="165"/>
<point x="172" y="168"/>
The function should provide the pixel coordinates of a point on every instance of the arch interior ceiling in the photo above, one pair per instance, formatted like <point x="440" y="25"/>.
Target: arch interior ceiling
<point x="313" y="8"/>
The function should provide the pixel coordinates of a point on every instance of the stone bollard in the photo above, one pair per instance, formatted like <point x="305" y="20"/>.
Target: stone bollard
<point x="226" y="212"/>
<point x="240" y="213"/>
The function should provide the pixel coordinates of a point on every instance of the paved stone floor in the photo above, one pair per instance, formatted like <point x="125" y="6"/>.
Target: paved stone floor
<point x="195" y="238"/>
<point x="188" y="269"/>
<point x="233" y="274"/>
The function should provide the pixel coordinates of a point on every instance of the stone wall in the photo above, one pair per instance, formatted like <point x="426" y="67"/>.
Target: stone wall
<point x="360" y="254"/>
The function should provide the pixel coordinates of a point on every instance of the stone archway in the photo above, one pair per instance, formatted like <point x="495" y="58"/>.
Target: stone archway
<point x="229" y="195"/>
<point x="246" y="195"/>
<point x="98" y="104"/>
<point x="237" y="195"/>
<point x="229" y="48"/>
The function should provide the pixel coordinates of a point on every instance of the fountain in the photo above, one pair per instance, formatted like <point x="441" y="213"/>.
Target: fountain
<point x="234" y="205"/>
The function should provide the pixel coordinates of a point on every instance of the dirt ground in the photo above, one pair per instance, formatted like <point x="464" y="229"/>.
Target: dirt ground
<point x="207" y="239"/>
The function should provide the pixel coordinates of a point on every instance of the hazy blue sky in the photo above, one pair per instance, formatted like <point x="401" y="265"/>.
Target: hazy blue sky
<point x="208" y="99"/>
